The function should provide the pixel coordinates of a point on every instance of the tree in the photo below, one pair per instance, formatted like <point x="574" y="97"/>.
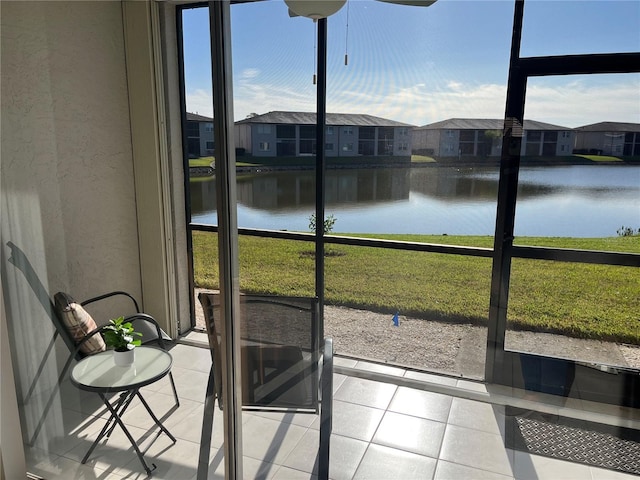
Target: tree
<point x="329" y="222"/>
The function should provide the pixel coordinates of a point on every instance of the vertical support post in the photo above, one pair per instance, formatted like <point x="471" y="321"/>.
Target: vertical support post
<point x="506" y="208"/>
<point x="220" y="26"/>
<point x="321" y="121"/>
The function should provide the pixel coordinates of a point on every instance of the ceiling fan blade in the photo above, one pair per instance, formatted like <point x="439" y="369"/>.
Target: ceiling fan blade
<point x="413" y="3"/>
<point x="292" y="13"/>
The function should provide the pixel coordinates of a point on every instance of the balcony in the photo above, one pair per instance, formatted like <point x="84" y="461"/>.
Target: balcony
<point x="388" y="423"/>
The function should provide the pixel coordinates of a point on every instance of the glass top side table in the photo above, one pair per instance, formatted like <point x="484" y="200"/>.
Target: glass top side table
<point x="99" y="373"/>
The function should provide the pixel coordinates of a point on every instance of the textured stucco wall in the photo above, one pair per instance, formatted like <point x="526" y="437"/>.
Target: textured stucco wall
<point x="68" y="199"/>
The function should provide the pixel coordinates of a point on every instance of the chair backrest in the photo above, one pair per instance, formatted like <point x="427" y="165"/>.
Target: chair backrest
<point x="280" y="350"/>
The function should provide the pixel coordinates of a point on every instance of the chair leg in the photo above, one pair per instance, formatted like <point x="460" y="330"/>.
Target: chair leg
<point x="326" y="410"/>
<point x="207" y="427"/>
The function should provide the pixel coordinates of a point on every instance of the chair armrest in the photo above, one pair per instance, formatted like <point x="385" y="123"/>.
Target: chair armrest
<point x="112" y="294"/>
<point x="160" y="335"/>
<point x="85" y="339"/>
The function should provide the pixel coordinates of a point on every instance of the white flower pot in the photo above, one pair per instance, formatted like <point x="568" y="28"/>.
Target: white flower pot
<point x="124" y="359"/>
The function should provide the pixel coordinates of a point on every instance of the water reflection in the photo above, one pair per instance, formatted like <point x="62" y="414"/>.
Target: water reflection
<point x="436" y="200"/>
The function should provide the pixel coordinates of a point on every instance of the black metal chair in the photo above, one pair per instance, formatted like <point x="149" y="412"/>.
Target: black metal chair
<point x="152" y="333"/>
<point x="81" y="337"/>
<point x="285" y="368"/>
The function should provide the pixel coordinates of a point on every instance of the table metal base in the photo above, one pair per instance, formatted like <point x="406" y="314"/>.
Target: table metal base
<point x="117" y="411"/>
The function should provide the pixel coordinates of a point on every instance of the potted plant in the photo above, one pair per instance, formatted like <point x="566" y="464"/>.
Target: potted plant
<point x="119" y="335"/>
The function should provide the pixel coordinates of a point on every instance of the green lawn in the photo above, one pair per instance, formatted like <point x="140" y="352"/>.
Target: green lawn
<point x="201" y="162"/>
<point x="601" y="158"/>
<point x="422" y="159"/>
<point x="587" y="301"/>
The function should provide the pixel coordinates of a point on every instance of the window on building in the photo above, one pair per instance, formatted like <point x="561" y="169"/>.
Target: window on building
<point x="307" y="139"/>
<point x="285" y="131"/>
<point x="208" y="127"/>
<point x="467" y="142"/>
<point x="347" y="147"/>
<point x="385" y="140"/>
<point x="366" y="147"/>
<point x="403" y="132"/>
<point x="329" y="130"/>
<point x="193" y="129"/>
<point x="209" y="145"/>
<point x="366" y="140"/>
<point x="286" y="144"/>
<point x="264" y="129"/>
<point x="264" y="146"/>
<point x="347" y="130"/>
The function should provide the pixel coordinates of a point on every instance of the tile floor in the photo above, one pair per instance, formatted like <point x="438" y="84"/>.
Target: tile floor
<point x="380" y="431"/>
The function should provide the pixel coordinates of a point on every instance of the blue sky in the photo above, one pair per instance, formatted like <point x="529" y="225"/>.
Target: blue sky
<point x="420" y="65"/>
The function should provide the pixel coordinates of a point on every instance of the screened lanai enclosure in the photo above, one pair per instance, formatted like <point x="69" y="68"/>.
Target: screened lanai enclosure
<point x="508" y="283"/>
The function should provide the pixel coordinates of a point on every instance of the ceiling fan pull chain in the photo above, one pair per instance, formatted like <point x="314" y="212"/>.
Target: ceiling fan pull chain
<point x="315" y="41"/>
<point x="346" y="39"/>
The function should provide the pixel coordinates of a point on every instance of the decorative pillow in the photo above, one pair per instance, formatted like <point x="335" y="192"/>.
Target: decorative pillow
<point x="80" y="323"/>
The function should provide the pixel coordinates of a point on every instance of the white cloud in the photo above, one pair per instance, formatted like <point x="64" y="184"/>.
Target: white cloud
<point x="579" y="103"/>
<point x="199" y="101"/>
<point x="569" y="102"/>
<point x="250" y="73"/>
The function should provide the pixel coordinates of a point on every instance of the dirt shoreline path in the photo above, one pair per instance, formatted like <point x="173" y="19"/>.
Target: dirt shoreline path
<point x="451" y="348"/>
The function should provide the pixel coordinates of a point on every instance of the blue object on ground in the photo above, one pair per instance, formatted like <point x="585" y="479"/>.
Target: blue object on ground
<point x="396" y="320"/>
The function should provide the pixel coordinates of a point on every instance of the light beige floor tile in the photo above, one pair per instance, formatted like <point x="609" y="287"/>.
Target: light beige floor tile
<point x="172" y="461"/>
<point x="345" y="455"/>
<point x="114" y="454"/>
<point x="431" y="377"/>
<point x="381" y="462"/>
<point x="379" y="368"/>
<point x="344" y="361"/>
<point x="68" y="429"/>
<point x="354" y="421"/>
<point x="478" y="416"/>
<point x="418" y="403"/>
<point x="534" y="467"/>
<point x="61" y="468"/>
<point x="338" y="380"/>
<point x="454" y="471"/>
<point x="413" y="434"/>
<point x="191" y="358"/>
<point x="286" y="473"/>
<point x="268" y="440"/>
<point x="473" y="386"/>
<point x="365" y="392"/>
<point x="605" y="474"/>
<point x="190" y="384"/>
<point x="189" y="427"/>
<point x="163" y="407"/>
<point x="477" y="449"/>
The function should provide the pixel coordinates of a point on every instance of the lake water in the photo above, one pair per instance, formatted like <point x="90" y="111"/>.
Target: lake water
<point x="574" y="201"/>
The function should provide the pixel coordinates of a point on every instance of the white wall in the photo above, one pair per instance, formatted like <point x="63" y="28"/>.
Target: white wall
<point x="68" y="199"/>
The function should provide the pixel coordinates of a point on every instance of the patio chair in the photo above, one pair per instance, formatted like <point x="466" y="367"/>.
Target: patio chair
<point x="76" y="327"/>
<point x="284" y="366"/>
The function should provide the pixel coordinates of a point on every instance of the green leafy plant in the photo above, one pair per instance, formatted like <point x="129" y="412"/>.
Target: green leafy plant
<point x="119" y="335"/>
<point x="329" y="222"/>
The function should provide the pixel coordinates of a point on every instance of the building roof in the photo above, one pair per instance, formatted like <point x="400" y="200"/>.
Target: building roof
<point x="309" y="118"/>
<point x="486" y="124"/>
<point x="194" y="117"/>
<point x="610" y="127"/>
